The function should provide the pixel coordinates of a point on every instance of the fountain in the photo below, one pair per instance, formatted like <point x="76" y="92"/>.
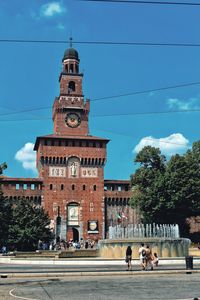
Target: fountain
<point x="164" y="239"/>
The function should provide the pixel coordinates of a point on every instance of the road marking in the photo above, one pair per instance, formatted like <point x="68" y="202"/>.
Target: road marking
<point x="11" y="294"/>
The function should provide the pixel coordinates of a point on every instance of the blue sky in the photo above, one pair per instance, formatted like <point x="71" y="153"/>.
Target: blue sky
<point x="29" y="75"/>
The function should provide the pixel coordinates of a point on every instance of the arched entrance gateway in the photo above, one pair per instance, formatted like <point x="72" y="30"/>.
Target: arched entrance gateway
<point x="73" y="221"/>
<point x="75" y="234"/>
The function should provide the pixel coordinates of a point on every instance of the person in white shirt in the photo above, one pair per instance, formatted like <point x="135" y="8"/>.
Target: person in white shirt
<point x="142" y="256"/>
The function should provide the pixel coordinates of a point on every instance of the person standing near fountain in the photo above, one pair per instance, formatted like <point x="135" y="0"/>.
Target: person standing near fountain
<point x="129" y="257"/>
<point x="155" y="259"/>
<point x="149" y="258"/>
<point x="142" y="255"/>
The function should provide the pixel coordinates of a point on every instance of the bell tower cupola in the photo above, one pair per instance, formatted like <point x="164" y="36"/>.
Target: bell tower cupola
<point x="70" y="111"/>
<point x="72" y="83"/>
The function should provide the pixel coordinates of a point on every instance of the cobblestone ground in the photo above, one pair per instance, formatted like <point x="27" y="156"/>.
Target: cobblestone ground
<point x="186" y="286"/>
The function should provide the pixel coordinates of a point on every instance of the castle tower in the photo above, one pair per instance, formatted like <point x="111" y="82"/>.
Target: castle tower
<point x="70" y="113"/>
<point x="71" y="162"/>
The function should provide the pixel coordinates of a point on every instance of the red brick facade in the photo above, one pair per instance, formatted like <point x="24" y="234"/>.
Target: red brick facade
<point x="70" y="163"/>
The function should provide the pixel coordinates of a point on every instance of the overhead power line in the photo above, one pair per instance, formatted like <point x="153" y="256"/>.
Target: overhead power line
<point x="101" y="43"/>
<point x="149" y="113"/>
<point x="145" y="138"/>
<point x="111" y="115"/>
<point x="148" y="91"/>
<point x="117" y="96"/>
<point x="145" y="2"/>
<point x="24" y="111"/>
<point x="25" y="119"/>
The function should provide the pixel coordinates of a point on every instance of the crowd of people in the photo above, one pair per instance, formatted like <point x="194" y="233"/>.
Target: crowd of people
<point x="147" y="258"/>
<point x="67" y="245"/>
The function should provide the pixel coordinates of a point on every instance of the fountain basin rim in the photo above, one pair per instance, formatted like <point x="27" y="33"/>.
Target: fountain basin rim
<point x="141" y="240"/>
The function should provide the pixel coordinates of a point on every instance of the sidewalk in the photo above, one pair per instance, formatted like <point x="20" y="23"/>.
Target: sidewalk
<point x="89" y="261"/>
<point x="11" y="267"/>
<point x="96" y="273"/>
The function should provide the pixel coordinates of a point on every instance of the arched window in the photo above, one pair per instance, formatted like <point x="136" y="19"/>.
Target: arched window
<point x="73" y="187"/>
<point x="84" y="187"/>
<point x="71" y="68"/>
<point x="51" y="186"/>
<point x="73" y="214"/>
<point x="62" y="187"/>
<point x="95" y="187"/>
<point x="71" y="86"/>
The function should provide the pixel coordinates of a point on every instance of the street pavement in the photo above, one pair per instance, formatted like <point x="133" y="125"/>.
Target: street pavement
<point x="172" y="286"/>
<point x="98" y="279"/>
<point x="87" y="267"/>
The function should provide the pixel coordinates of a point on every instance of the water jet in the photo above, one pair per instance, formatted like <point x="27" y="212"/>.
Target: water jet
<point x="164" y="239"/>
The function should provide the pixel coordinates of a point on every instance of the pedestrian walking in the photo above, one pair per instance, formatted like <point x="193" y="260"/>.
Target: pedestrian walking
<point x="129" y="258"/>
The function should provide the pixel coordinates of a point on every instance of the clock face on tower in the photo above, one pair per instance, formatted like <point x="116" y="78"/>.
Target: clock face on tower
<point x="72" y="120"/>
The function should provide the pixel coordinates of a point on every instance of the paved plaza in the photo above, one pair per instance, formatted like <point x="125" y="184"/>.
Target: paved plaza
<point x="180" y="286"/>
<point x="98" y="279"/>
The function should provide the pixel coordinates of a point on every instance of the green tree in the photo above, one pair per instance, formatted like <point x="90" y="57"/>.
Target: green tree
<point x="5" y="215"/>
<point x="167" y="192"/>
<point x="29" y="223"/>
<point x="146" y="180"/>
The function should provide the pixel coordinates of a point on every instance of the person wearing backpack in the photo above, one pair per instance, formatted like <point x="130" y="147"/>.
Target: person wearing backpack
<point x="142" y="256"/>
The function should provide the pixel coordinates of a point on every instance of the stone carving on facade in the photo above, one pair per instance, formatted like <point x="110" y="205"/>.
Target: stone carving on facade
<point x="73" y="167"/>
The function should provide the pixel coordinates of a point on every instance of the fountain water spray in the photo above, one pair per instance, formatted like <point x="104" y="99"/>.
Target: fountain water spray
<point x="144" y="231"/>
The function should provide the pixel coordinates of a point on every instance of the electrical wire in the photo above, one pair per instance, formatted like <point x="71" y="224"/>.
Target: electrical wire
<point x="112" y="115"/>
<point x="149" y="113"/>
<point x="145" y="138"/>
<point x="27" y="119"/>
<point x="25" y="111"/>
<point x="102" y="43"/>
<point x="145" y="2"/>
<point x="147" y="91"/>
<point x="115" y="96"/>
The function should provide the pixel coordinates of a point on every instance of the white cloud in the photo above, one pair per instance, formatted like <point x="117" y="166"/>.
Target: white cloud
<point x="174" y="103"/>
<point x="174" y="143"/>
<point x="51" y="9"/>
<point x="27" y="157"/>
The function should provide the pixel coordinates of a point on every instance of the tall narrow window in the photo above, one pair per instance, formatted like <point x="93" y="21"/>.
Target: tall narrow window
<point x="73" y="187"/>
<point x="62" y="187"/>
<point x="51" y="186"/>
<point x="95" y="187"/>
<point x="84" y="187"/>
<point x="71" y="86"/>
<point x="71" y="68"/>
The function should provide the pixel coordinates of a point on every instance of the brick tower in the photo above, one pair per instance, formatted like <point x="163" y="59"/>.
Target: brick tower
<point x="71" y="162"/>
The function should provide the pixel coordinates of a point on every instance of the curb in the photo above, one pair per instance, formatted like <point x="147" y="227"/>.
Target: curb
<point x="89" y="273"/>
<point x="84" y="261"/>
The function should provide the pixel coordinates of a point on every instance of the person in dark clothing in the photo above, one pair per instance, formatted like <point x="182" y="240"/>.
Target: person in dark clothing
<point x="86" y="244"/>
<point x="129" y="258"/>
